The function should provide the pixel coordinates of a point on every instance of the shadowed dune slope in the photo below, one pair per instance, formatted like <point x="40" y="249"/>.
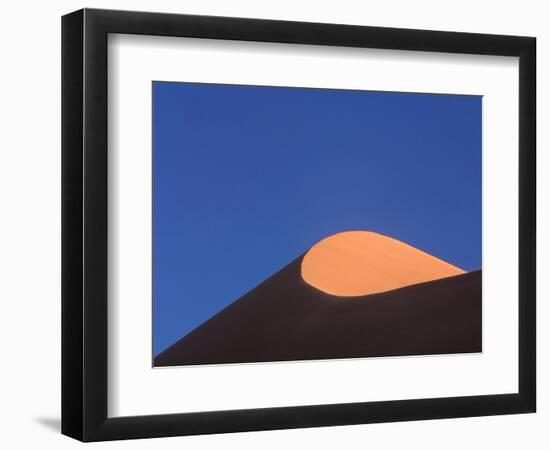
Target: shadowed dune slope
<point x="284" y="319"/>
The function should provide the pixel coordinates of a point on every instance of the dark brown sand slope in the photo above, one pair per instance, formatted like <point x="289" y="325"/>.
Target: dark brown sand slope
<point x="286" y="319"/>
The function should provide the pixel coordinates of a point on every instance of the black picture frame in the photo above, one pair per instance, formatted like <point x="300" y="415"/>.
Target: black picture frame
<point x="84" y="224"/>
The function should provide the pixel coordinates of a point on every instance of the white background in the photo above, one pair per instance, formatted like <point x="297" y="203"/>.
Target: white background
<point x="136" y="389"/>
<point x="30" y="225"/>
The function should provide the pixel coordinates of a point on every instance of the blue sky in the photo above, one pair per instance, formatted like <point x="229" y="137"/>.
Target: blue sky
<point x="247" y="178"/>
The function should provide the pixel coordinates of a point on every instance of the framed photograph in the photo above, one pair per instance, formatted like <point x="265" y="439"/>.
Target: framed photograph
<point x="272" y="224"/>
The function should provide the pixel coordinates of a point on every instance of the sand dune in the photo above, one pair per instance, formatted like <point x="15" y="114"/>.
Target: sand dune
<point x="357" y="263"/>
<point x="285" y="319"/>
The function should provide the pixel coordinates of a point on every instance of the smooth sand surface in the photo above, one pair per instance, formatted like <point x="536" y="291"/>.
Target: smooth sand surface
<point x="357" y="263"/>
<point x="286" y="319"/>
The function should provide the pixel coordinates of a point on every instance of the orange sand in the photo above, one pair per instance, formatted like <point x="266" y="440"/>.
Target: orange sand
<point x="356" y="263"/>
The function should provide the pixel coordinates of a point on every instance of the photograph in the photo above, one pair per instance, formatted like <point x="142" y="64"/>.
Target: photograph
<point x="305" y="221"/>
<point x="308" y="224"/>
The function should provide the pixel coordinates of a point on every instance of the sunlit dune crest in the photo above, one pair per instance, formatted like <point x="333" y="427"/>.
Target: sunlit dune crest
<point x="357" y="263"/>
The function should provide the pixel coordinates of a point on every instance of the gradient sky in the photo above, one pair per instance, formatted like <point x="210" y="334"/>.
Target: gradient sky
<point x="248" y="178"/>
